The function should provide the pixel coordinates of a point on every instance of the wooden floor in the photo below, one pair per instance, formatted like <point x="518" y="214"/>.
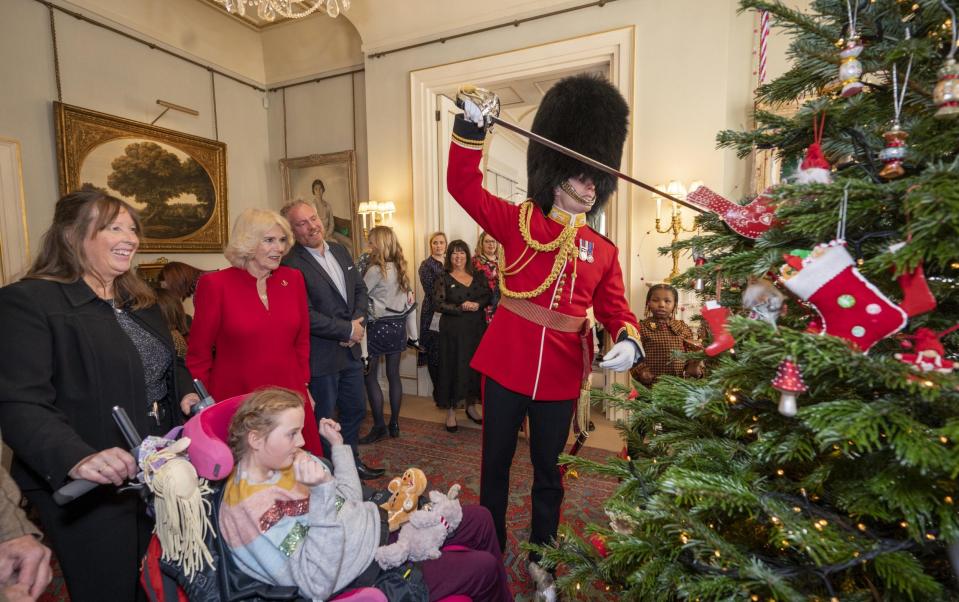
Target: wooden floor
<point x="422" y="408"/>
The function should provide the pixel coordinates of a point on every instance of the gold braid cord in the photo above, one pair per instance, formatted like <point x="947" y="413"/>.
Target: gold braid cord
<point x="565" y="243"/>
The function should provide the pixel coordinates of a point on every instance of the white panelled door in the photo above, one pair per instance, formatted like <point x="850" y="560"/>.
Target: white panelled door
<point x="453" y="220"/>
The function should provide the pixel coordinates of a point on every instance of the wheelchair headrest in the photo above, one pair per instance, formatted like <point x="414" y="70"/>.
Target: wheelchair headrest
<point x="208" y="432"/>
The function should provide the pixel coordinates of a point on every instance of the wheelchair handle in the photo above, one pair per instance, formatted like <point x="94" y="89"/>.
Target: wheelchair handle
<point x="72" y="491"/>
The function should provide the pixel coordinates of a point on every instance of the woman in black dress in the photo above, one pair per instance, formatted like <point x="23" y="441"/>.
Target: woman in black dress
<point x="461" y="298"/>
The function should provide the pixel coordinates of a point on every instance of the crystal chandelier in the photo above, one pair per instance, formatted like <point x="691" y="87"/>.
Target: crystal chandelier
<point x="291" y="9"/>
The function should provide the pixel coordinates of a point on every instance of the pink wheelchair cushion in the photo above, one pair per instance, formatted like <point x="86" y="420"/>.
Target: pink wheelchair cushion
<point x="364" y="594"/>
<point x="208" y="432"/>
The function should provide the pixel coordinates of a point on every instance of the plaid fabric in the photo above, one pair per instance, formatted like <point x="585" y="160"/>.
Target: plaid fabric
<point x="661" y="340"/>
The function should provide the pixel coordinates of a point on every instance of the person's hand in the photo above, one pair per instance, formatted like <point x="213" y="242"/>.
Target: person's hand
<point x="347" y="343"/>
<point x="309" y="471"/>
<point x="28" y="560"/>
<point x="330" y="430"/>
<point x="645" y="375"/>
<point x="469" y="306"/>
<point x="694" y="369"/>
<point x="621" y="357"/>
<point x="16" y="593"/>
<point x="479" y="105"/>
<point x="112" y="465"/>
<point x="358" y="330"/>
<point x="189" y="400"/>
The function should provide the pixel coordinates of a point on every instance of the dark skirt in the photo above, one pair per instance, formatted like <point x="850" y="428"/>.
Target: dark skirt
<point x="386" y="335"/>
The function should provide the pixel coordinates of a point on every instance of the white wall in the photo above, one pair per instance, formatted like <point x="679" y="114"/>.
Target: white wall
<point x="302" y="48"/>
<point x="192" y="27"/>
<point x="692" y="76"/>
<point x="106" y="72"/>
<point x="324" y="117"/>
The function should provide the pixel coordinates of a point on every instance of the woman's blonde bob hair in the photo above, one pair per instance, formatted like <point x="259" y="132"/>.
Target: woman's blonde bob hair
<point x="248" y="231"/>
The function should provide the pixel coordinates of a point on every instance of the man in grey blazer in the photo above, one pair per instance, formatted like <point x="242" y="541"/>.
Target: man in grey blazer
<point x="338" y="304"/>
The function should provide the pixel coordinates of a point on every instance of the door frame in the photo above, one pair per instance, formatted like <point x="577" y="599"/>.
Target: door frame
<point x="616" y="47"/>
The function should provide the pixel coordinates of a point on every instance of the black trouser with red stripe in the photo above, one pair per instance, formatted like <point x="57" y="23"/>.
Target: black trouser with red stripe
<point x="549" y="422"/>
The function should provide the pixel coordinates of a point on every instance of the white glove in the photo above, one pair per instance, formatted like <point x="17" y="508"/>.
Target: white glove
<point x="479" y="105"/>
<point x="473" y="113"/>
<point x="621" y="357"/>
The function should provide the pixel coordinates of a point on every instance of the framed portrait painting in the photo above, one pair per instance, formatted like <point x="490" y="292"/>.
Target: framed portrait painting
<point x="329" y="182"/>
<point x="176" y="181"/>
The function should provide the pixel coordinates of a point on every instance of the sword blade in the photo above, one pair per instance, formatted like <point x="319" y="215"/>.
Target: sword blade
<point x="591" y="162"/>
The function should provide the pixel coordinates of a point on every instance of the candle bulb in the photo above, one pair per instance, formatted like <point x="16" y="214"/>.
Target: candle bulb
<point x="659" y="207"/>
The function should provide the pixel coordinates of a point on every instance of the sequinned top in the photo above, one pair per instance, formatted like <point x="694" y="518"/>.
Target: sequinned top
<point x="154" y="355"/>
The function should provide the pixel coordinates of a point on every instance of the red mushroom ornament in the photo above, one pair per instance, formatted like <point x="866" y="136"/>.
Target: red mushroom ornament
<point x="789" y="381"/>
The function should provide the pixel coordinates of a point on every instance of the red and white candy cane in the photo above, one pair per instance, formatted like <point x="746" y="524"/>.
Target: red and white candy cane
<point x="763" y="44"/>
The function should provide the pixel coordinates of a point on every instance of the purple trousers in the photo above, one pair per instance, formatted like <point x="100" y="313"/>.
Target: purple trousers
<point x="477" y="572"/>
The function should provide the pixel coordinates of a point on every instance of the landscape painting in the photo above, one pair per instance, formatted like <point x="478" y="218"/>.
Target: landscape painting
<point x="176" y="181"/>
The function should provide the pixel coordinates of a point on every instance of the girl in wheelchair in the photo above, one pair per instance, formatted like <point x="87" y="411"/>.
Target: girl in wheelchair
<point x="288" y="521"/>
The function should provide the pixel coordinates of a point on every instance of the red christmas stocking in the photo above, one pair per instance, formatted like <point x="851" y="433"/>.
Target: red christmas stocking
<point x="916" y="296"/>
<point x="715" y="316"/>
<point x="849" y="305"/>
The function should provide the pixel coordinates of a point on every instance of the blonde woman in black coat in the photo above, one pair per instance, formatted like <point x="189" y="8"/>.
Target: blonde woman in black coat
<point x="78" y="335"/>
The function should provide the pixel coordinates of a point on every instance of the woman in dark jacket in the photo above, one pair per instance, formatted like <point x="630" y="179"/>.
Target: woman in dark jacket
<point x="78" y="335"/>
<point x="461" y="296"/>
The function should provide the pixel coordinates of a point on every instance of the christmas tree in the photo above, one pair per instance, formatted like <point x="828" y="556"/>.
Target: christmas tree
<point x="817" y="459"/>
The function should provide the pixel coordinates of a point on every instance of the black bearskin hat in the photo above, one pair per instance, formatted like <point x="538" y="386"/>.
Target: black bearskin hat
<point x="588" y="115"/>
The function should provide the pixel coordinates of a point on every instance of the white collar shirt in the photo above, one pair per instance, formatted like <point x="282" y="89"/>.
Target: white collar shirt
<point x="331" y="266"/>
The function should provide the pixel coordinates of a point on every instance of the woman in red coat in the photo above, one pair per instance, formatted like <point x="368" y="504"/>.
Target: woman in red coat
<point x="251" y="326"/>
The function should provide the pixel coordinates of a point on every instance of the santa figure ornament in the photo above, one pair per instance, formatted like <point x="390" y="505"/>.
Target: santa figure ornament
<point x="789" y="382"/>
<point x="929" y="352"/>
<point x="814" y="168"/>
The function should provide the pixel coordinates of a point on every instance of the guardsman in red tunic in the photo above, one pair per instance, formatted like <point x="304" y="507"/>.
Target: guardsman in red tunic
<point x="537" y="351"/>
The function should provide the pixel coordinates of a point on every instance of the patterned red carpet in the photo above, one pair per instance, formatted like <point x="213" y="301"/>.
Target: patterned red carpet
<point x="449" y="458"/>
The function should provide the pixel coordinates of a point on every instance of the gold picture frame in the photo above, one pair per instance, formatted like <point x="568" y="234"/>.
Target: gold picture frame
<point x="765" y="164"/>
<point x="150" y="272"/>
<point x="177" y="181"/>
<point x="337" y="171"/>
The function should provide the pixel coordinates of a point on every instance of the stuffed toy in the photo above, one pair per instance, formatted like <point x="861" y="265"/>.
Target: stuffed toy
<point x="406" y="492"/>
<point x="427" y="529"/>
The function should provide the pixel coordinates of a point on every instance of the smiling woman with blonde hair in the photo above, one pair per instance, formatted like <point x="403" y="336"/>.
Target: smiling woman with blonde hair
<point x="255" y="316"/>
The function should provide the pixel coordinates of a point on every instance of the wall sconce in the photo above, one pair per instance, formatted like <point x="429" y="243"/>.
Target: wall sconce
<point x="676" y="189"/>
<point x="378" y="214"/>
